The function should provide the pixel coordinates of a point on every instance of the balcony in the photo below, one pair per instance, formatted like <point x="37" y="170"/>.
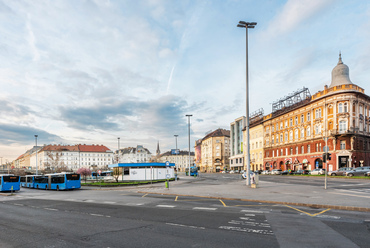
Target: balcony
<point x="352" y="130"/>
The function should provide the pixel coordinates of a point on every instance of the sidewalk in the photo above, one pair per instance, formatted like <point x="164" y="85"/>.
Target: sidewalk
<point x="268" y="192"/>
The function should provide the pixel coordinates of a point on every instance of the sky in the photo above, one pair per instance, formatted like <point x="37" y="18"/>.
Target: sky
<point x="90" y="71"/>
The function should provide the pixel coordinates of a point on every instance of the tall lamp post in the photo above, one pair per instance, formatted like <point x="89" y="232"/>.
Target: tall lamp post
<point x="246" y="25"/>
<point x="189" y="138"/>
<point x="177" y="168"/>
<point x="118" y="150"/>
<point x="36" y="154"/>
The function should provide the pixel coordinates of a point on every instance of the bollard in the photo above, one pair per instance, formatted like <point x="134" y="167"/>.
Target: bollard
<point x="167" y="184"/>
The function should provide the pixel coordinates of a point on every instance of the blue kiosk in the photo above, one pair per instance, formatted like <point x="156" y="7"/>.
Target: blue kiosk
<point x="144" y="171"/>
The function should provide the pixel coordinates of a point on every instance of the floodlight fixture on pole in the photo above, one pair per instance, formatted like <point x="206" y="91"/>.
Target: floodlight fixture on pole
<point x="36" y="153"/>
<point x="246" y="25"/>
<point x="189" y="139"/>
<point x="118" y="150"/>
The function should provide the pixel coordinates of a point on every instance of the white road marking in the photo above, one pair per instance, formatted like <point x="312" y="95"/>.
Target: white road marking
<point x="166" y="206"/>
<point x="200" y="208"/>
<point x="51" y="209"/>
<point x="364" y="196"/>
<point x="109" y="202"/>
<point x="99" y="215"/>
<point x="134" y="204"/>
<point x="195" y="227"/>
<point x="249" y="230"/>
<point x="253" y="211"/>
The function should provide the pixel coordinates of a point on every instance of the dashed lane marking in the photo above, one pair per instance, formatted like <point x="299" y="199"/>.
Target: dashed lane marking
<point x="181" y="225"/>
<point x="201" y="208"/>
<point x="223" y="203"/>
<point x="166" y="206"/>
<point x="364" y="196"/>
<point x="51" y="209"/>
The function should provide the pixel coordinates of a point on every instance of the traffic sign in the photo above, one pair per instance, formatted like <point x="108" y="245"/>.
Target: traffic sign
<point x="167" y="164"/>
<point x="99" y="172"/>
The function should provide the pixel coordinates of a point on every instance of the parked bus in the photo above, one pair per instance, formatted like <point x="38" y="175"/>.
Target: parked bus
<point x="103" y="175"/>
<point x="9" y="182"/>
<point x="28" y="181"/>
<point x="58" y="181"/>
<point x="193" y="171"/>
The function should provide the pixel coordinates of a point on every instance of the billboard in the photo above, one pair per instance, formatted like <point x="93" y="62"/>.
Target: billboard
<point x="175" y="151"/>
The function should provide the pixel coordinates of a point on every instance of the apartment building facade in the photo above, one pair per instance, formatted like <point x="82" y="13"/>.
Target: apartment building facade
<point x="335" y="119"/>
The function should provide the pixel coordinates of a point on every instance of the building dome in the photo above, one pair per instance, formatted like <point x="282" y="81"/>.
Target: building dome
<point x="340" y="74"/>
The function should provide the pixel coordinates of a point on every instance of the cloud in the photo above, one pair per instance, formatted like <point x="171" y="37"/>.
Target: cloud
<point x="294" y="13"/>
<point x="16" y="134"/>
<point x="130" y="114"/>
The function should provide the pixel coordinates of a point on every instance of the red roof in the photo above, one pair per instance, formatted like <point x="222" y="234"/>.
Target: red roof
<point x="93" y="148"/>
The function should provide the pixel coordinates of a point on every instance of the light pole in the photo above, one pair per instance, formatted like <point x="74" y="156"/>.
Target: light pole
<point x="118" y="146"/>
<point x="189" y="138"/>
<point x="177" y="167"/>
<point x="246" y="25"/>
<point x="36" y="154"/>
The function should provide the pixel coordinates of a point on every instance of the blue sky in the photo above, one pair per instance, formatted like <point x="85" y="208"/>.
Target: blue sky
<point x="91" y="71"/>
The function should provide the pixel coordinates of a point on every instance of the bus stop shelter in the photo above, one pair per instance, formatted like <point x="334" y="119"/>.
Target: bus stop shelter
<point x="143" y="171"/>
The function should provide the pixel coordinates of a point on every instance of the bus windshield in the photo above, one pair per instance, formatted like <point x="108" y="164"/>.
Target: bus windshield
<point x="11" y="178"/>
<point x="73" y="176"/>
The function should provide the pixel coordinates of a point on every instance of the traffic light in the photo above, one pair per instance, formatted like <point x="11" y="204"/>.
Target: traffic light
<point x="328" y="156"/>
<point x="324" y="156"/>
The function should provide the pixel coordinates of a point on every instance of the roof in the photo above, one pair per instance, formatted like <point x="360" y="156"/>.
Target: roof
<point x="218" y="133"/>
<point x="60" y="148"/>
<point x="180" y="153"/>
<point x="93" y="148"/>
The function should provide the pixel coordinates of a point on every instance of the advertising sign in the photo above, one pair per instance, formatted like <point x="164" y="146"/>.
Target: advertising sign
<point x="175" y="151"/>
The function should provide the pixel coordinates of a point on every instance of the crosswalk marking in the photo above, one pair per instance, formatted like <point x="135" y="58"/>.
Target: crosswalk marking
<point x="166" y="206"/>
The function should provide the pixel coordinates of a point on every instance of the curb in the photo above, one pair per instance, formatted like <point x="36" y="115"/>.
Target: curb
<point x="349" y="208"/>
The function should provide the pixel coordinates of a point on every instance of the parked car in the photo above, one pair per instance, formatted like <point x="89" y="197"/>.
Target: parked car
<point x="287" y="172"/>
<point x="367" y="174"/>
<point x="318" y="172"/>
<point x="340" y="172"/>
<point x="276" y="172"/>
<point x="302" y="172"/>
<point x="358" y="171"/>
<point x="258" y="171"/>
<point x="265" y="172"/>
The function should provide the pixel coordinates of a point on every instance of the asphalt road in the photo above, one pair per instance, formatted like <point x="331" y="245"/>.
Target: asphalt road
<point x="125" y="218"/>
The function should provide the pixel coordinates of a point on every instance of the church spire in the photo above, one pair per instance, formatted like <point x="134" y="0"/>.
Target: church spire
<point x="158" y="151"/>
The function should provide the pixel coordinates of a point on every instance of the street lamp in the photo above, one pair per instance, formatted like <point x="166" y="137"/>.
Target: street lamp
<point x="177" y="167"/>
<point x="36" y="153"/>
<point x="246" y="25"/>
<point x="189" y="138"/>
<point x="118" y="150"/>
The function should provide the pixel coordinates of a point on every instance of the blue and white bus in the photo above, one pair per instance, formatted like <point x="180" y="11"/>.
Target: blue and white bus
<point x="9" y="182"/>
<point x="103" y="175"/>
<point x="28" y="181"/>
<point x="58" y="181"/>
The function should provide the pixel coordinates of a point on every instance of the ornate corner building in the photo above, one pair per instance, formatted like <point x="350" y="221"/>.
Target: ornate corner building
<point x="301" y="127"/>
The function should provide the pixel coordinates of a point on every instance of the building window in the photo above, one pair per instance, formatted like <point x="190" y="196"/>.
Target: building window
<point x="296" y="150"/>
<point x="296" y="120"/>
<point x="281" y="125"/>
<point x="308" y="116"/>
<point x="281" y="138"/>
<point x="340" y="108"/>
<point x="291" y="151"/>
<point x="296" y="134"/>
<point x="286" y="123"/>
<point x="345" y="107"/>
<point x="286" y="137"/>
<point x="317" y="147"/>
<point x="302" y="133"/>
<point x="343" y="145"/>
<point x="272" y="140"/>
<point x="291" y="135"/>
<point x="286" y="151"/>
<point x="302" y="118"/>
<point x="302" y="149"/>
<point x="308" y="131"/>
<point x="342" y="126"/>
<point x="318" y="113"/>
<point x="308" y="148"/>
<point x="291" y="121"/>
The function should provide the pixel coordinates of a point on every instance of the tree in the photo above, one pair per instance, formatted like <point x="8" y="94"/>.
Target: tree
<point x="84" y="172"/>
<point x="116" y="173"/>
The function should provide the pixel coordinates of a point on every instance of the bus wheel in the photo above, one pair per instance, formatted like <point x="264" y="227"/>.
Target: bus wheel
<point x="57" y="187"/>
